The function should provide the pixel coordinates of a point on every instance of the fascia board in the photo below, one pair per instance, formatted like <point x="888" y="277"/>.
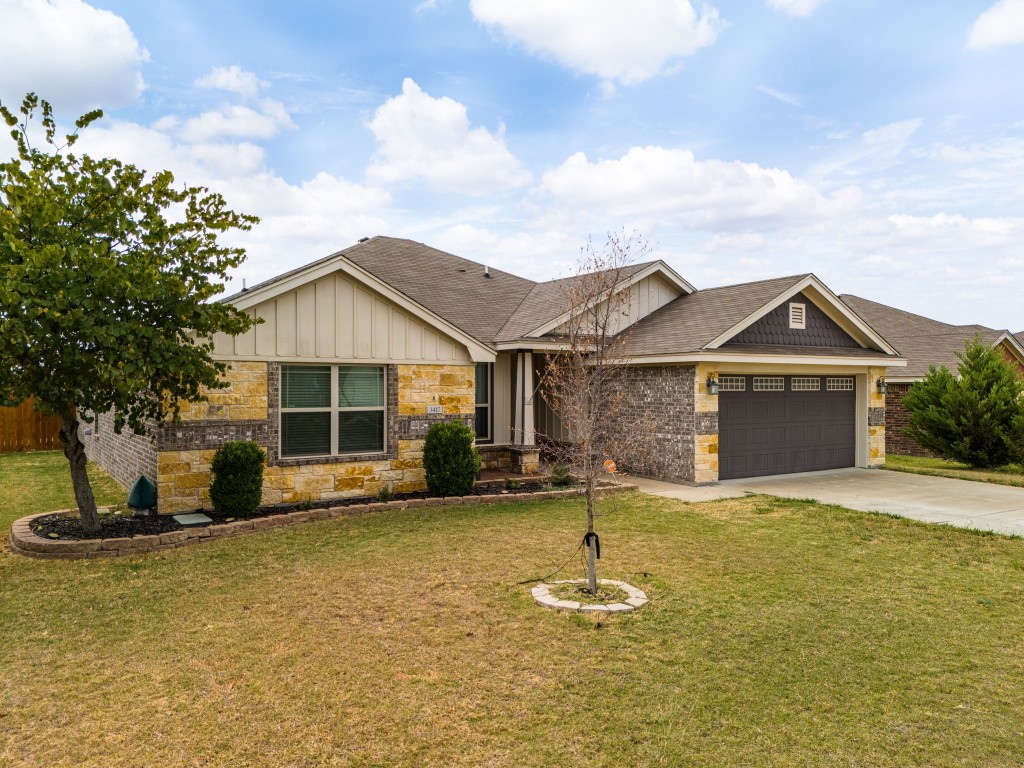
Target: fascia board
<point x="715" y="356"/>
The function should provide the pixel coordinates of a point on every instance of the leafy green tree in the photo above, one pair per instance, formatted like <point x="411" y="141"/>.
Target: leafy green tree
<point x="967" y="418"/>
<point x="106" y="276"/>
<point x="1016" y="439"/>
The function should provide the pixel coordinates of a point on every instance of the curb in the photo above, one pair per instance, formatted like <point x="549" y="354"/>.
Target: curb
<point x="23" y="541"/>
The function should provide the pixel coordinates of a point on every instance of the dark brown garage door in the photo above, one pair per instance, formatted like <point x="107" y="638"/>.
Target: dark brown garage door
<point x="772" y="425"/>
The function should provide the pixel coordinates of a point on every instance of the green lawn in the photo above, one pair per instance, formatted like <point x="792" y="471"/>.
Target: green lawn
<point x="41" y="481"/>
<point x="1011" y="474"/>
<point x="780" y="633"/>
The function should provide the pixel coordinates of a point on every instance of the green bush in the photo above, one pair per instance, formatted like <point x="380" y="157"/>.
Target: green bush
<point x="237" y="478"/>
<point x="969" y="418"/>
<point x="449" y="459"/>
<point x="1016" y="439"/>
<point x="561" y="475"/>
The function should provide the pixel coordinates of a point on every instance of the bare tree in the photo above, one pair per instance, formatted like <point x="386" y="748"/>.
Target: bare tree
<point x="585" y="383"/>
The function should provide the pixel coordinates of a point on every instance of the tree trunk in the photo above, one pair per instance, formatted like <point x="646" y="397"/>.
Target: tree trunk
<point x="74" y="450"/>
<point x="592" y="542"/>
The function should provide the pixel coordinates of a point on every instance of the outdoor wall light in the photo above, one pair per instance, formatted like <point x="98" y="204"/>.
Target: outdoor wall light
<point x="712" y="385"/>
<point x="881" y="385"/>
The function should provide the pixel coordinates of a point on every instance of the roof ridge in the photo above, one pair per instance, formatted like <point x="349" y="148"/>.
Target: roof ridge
<point x="794" y="278"/>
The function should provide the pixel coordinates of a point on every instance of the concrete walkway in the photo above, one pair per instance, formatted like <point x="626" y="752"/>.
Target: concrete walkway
<point x="963" y="503"/>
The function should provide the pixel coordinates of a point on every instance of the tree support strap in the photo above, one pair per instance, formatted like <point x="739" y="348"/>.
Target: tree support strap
<point x="597" y="542"/>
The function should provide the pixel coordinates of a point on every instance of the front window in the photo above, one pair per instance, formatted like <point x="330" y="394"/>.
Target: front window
<point x="332" y="410"/>
<point x="483" y="401"/>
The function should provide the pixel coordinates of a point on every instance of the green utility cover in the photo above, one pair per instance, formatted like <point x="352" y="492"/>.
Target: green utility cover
<point x="143" y="494"/>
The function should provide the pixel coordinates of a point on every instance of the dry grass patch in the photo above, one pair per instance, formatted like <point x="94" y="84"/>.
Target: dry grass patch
<point x="782" y="633"/>
<point x="1011" y="474"/>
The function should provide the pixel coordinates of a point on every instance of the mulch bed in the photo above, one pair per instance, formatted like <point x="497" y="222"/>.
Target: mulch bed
<point x="60" y="526"/>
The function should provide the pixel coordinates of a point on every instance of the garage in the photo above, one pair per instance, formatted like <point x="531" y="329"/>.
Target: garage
<point x="774" y="425"/>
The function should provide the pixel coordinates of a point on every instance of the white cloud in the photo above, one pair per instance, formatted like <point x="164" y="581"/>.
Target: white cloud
<point x="233" y="79"/>
<point x="536" y="255"/>
<point x="877" y="149"/>
<point x="944" y="232"/>
<point x="69" y="53"/>
<point x="654" y="182"/>
<point x="300" y="221"/>
<point x="800" y="8"/>
<point x="1007" y="152"/>
<point x="624" y="41"/>
<point x="785" y="98"/>
<point x="1002" y="24"/>
<point x="431" y="139"/>
<point x="238" y="120"/>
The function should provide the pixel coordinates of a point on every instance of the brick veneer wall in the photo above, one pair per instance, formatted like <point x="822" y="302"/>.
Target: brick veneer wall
<point x="664" y="393"/>
<point x="123" y="456"/>
<point x="896" y="418"/>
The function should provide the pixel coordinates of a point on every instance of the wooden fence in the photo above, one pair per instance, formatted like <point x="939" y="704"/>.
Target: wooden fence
<point x="25" y="429"/>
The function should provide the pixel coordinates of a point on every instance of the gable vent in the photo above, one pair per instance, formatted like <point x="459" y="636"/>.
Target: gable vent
<point x="797" y="315"/>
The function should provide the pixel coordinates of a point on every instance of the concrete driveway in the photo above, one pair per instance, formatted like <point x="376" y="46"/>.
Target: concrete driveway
<point x="963" y="503"/>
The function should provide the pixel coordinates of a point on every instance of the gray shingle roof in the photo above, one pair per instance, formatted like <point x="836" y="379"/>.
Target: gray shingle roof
<point x="451" y="287"/>
<point x="691" y="322"/>
<point x="922" y="341"/>
<point x="546" y="302"/>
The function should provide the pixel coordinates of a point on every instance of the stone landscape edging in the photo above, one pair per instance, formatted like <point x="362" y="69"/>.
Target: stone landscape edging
<point x="23" y="541"/>
<point x="543" y="597"/>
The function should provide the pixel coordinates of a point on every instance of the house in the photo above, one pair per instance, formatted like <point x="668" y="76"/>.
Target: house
<point x="360" y="352"/>
<point x="924" y="343"/>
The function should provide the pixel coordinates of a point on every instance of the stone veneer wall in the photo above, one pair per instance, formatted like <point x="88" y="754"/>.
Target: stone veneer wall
<point x="876" y="419"/>
<point x="705" y="444"/>
<point x="664" y="393"/>
<point x="249" y="410"/>
<point x="896" y="419"/>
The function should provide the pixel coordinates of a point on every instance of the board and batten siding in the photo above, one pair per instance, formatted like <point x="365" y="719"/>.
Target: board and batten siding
<point x="645" y="296"/>
<point x="336" y="319"/>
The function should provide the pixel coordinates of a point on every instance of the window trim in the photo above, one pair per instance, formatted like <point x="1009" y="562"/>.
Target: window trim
<point x="769" y="384"/>
<point x="334" y="409"/>
<point x="840" y="384"/>
<point x="730" y="383"/>
<point x="805" y="384"/>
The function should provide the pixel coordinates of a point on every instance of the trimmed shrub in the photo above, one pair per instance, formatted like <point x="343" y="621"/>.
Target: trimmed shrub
<point x="449" y="459"/>
<point x="561" y="475"/>
<point x="237" y="478"/>
<point x="967" y="418"/>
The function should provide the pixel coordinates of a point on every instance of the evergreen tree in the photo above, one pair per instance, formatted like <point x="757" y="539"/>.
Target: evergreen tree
<point x="967" y="418"/>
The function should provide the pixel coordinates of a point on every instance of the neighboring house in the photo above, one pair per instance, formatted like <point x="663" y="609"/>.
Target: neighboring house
<point x="924" y="343"/>
<point x="360" y="352"/>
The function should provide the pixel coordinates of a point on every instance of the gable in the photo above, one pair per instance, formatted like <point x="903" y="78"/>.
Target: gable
<point x="645" y="297"/>
<point x="1012" y="356"/>
<point x="336" y="318"/>
<point x="773" y="329"/>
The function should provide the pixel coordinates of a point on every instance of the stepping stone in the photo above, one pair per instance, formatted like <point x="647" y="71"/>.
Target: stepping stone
<point x="195" y="518"/>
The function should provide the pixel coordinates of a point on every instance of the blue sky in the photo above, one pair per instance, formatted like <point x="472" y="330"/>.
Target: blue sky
<point x="877" y="144"/>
